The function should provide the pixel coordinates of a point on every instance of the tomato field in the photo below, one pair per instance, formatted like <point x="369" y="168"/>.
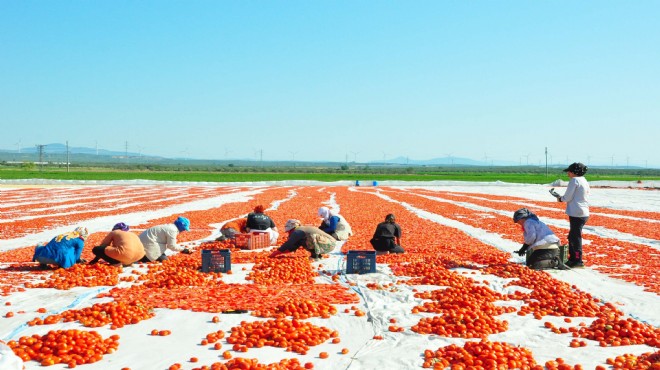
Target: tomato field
<point x="458" y="298"/>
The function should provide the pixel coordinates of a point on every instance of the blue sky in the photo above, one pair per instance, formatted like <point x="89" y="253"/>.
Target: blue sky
<point x="331" y="80"/>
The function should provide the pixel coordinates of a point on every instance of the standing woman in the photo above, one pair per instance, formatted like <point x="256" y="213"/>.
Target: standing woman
<point x="577" y="209"/>
<point x="387" y="237"/>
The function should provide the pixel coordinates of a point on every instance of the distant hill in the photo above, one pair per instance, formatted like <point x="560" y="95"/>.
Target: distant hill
<point x="56" y="148"/>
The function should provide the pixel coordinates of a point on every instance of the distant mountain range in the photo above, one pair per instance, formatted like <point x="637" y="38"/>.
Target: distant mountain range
<point x="86" y="154"/>
<point x="56" y="148"/>
<point x="60" y="149"/>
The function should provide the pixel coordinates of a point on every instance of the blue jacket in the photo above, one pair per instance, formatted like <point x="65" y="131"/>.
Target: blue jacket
<point x="62" y="249"/>
<point x="330" y="225"/>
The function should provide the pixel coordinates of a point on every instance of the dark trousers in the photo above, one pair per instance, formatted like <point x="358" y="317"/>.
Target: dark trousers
<point x="386" y="245"/>
<point x="99" y="252"/>
<point x="162" y="258"/>
<point x="575" y="238"/>
<point x="544" y="259"/>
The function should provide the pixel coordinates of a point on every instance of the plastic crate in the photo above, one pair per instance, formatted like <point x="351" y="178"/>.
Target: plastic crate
<point x="361" y="262"/>
<point x="255" y="240"/>
<point x="563" y="252"/>
<point x="216" y="260"/>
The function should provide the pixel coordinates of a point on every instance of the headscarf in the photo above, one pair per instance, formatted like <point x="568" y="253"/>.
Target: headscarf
<point x="121" y="226"/>
<point x="325" y="213"/>
<point x="259" y="209"/>
<point x="182" y="224"/>
<point x="79" y="232"/>
<point x="82" y="232"/>
<point x="523" y="213"/>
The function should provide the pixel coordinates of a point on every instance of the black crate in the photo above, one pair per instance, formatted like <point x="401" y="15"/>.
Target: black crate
<point x="361" y="262"/>
<point x="216" y="260"/>
<point x="563" y="252"/>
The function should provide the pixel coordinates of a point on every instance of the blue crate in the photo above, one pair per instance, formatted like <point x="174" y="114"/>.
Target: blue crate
<point x="216" y="260"/>
<point x="361" y="262"/>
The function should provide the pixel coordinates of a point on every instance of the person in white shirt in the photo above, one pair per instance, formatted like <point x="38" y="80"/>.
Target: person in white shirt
<point x="577" y="209"/>
<point x="159" y="238"/>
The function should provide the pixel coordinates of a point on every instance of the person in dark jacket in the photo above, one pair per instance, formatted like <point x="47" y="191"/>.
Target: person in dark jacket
<point x="258" y="221"/>
<point x="387" y="237"/>
<point x="63" y="250"/>
<point x="309" y="237"/>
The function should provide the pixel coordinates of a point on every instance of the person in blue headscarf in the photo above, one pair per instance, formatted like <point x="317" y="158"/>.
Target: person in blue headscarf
<point x="63" y="250"/>
<point x="541" y="245"/>
<point x="159" y="238"/>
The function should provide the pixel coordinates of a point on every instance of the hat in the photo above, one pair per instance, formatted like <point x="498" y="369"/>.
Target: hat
<point x="182" y="223"/>
<point x="82" y="232"/>
<point x="521" y="214"/>
<point x="121" y="226"/>
<point x="577" y="168"/>
<point x="259" y="209"/>
<point x="291" y="224"/>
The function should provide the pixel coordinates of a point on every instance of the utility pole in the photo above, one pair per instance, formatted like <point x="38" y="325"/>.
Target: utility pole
<point x="126" y="150"/>
<point x="546" y="161"/>
<point x="67" y="156"/>
<point x="293" y="158"/>
<point x="40" y="148"/>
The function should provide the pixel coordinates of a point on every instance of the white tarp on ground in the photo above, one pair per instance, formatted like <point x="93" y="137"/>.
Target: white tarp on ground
<point x="138" y="350"/>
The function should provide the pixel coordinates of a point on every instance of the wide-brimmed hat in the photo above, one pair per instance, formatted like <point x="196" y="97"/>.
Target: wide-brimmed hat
<point x="291" y="224"/>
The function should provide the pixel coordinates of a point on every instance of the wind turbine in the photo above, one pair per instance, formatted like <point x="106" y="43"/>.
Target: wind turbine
<point x="355" y="156"/>
<point x="451" y="158"/>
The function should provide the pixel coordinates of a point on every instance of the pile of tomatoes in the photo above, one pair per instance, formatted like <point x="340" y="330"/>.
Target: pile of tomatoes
<point x="71" y="347"/>
<point x="293" y="335"/>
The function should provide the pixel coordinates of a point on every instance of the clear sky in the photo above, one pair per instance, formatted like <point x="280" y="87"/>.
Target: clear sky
<point x="336" y="80"/>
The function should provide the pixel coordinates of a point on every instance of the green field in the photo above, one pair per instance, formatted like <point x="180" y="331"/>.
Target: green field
<point x="216" y="176"/>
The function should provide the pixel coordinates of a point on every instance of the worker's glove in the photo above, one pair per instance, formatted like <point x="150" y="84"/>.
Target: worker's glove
<point x="521" y="252"/>
<point x="186" y="251"/>
<point x="554" y="193"/>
